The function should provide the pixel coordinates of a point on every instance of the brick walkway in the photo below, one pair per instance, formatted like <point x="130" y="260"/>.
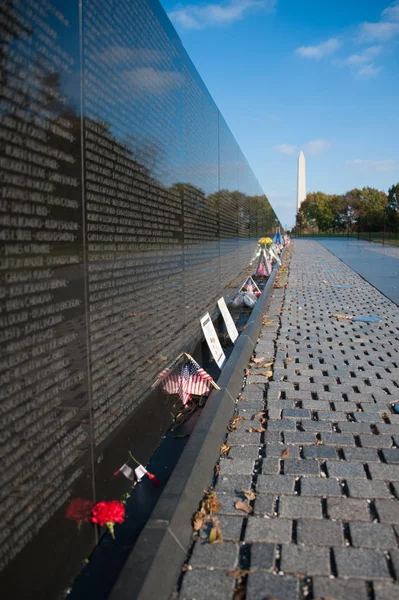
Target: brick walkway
<point x="325" y="520"/>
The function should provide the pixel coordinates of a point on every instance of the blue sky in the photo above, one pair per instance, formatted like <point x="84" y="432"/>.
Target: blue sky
<point x="316" y="75"/>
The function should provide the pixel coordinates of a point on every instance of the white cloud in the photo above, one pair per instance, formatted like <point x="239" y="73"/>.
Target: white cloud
<point x="362" y="57"/>
<point x="383" y="30"/>
<point x="392" y="12"/>
<point x="374" y="165"/>
<point x="378" y="32"/>
<point x="367" y="71"/>
<point x="316" y="146"/>
<point x="286" y="148"/>
<point x="219" y="14"/>
<point x="312" y="147"/>
<point x="319" y="51"/>
<point x="362" y="62"/>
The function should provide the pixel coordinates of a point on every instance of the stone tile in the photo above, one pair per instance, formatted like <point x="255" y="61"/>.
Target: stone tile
<point x="230" y="527"/>
<point x="346" y="469"/>
<point x="388" y="511"/>
<point x="244" y="452"/>
<point x="264" y="504"/>
<point x="295" y="507"/>
<point x="294" y="466"/>
<point x="306" y="560"/>
<point x="395" y="560"/>
<point x="236" y="466"/>
<point x="391" y="455"/>
<point x="281" y="425"/>
<point x="376" y="441"/>
<point x="348" y="509"/>
<point x="339" y="589"/>
<point x="270" y="466"/>
<point x="385" y="472"/>
<point x="234" y="482"/>
<point x="337" y="439"/>
<point x="316" y="486"/>
<point x="361" y="454"/>
<point x="372" y="535"/>
<point x="320" y="452"/>
<point x="384" y="590"/>
<point x="268" y="530"/>
<point x="319" y="532"/>
<point x="368" y="489"/>
<point x="296" y="413"/>
<point x="203" y="584"/>
<point x="361" y="564"/>
<point x="299" y="437"/>
<point x="278" y="449"/>
<point x="218" y="556"/>
<point x="262" y="556"/>
<point x="281" y="484"/>
<point x="267" y="585"/>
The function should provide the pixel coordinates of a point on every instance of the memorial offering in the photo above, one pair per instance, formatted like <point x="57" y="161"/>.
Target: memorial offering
<point x="228" y="320"/>
<point x="187" y="380"/>
<point x="212" y="340"/>
<point x="108" y="513"/>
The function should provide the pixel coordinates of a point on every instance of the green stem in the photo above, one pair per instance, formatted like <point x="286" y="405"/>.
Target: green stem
<point x="131" y="456"/>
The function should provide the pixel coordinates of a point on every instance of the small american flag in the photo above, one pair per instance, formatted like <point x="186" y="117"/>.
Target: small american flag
<point x="249" y="286"/>
<point x="194" y="380"/>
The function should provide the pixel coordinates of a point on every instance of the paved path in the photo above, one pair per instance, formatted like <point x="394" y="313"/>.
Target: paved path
<point x="378" y="264"/>
<point x="325" y="520"/>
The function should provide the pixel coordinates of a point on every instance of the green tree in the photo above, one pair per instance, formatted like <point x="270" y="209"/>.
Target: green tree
<point x="367" y="208"/>
<point x="316" y="210"/>
<point x="393" y="207"/>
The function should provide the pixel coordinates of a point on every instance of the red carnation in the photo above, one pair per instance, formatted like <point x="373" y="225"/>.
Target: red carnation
<point x="108" y="513"/>
<point x="153" y="478"/>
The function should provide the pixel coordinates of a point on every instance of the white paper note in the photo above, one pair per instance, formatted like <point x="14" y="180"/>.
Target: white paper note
<point x="212" y="340"/>
<point x="228" y="320"/>
<point x="140" y="472"/>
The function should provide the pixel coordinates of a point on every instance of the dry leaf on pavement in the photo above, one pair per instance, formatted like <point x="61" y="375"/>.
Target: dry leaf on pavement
<point x="286" y="453"/>
<point x="198" y="520"/>
<point x="240" y="505"/>
<point x="256" y="430"/>
<point x="211" y="503"/>
<point x="215" y="535"/>
<point x="249" y="494"/>
<point x="258" y="415"/>
<point x="259" y="360"/>
<point x="224" y="448"/>
<point x="237" y="574"/>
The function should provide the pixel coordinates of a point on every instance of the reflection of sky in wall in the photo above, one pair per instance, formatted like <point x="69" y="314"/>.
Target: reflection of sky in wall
<point x="190" y="143"/>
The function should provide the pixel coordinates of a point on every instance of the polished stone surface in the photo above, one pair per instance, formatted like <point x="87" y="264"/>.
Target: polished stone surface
<point x="127" y="209"/>
<point x="377" y="263"/>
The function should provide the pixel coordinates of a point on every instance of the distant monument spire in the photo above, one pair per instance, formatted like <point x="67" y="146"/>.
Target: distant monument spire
<point x="301" y="194"/>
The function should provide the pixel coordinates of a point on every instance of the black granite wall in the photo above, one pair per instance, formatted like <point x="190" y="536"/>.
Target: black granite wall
<point x="126" y="210"/>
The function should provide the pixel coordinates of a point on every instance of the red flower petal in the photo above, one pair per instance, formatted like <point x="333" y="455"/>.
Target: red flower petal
<point x="153" y="478"/>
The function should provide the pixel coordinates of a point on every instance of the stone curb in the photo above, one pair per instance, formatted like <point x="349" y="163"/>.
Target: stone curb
<point x="153" y="566"/>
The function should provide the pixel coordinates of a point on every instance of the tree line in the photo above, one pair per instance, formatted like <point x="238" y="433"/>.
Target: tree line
<point x="366" y="209"/>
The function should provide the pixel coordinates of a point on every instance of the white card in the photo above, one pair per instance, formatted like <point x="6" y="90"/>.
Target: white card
<point x="127" y="471"/>
<point x="140" y="471"/>
<point x="212" y="340"/>
<point x="228" y="320"/>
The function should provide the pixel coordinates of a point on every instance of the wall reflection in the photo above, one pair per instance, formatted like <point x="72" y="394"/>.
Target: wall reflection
<point x="127" y="209"/>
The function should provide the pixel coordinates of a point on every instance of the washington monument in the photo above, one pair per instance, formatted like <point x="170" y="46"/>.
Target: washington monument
<point x="301" y="194"/>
